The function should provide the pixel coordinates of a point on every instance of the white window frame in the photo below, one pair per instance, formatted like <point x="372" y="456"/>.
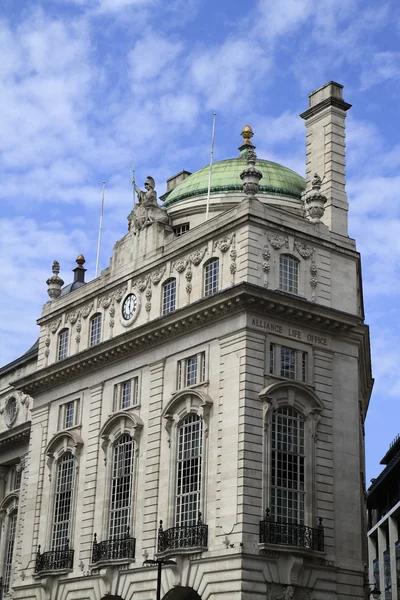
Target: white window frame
<point x="60" y="542"/>
<point x="191" y="370"/>
<point x="289" y="273"/>
<point x="210" y="277"/>
<point x="169" y="296"/>
<point x="64" y="414"/>
<point x="287" y="483"/>
<point x="308" y="405"/>
<point x="63" y="345"/>
<point x="189" y="464"/>
<point x="119" y="512"/>
<point x="95" y="329"/>
<point x="12" y="525"/>
<point x="120" y="394"/>
<point x="276" y="362"/>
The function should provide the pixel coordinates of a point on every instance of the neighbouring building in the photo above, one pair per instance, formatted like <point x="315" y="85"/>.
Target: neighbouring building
<point x="383" y="502"/>
<point x="202" y="401"/>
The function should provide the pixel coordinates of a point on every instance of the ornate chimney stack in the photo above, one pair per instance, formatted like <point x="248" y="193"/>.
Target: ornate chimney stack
<point x="325" y="151"/>
<point x="55" y="282"/>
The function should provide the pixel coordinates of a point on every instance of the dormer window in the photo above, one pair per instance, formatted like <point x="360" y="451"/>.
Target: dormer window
<point x="288" y="274"/>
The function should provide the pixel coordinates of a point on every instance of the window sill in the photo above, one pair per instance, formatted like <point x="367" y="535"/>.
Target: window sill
<point x="289" y="380"/>
<point x="115" y="562"/>
<point x="52" y="573"/>
<point x="191" y="387"/>
<point x="179" y="551"/>
<point x="288" y="549"/>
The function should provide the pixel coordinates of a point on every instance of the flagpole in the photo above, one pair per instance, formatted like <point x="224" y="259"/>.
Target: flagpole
<point x="210" y="171"/>
<point x="100" y="230"/>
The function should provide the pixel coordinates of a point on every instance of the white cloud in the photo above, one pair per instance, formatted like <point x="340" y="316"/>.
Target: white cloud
<point x="149" y="59"/>
<point x="383" y="66"/>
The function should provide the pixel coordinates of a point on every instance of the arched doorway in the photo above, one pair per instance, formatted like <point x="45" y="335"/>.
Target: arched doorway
<point x="182" y="593"/>
<point x="111" y="597"/>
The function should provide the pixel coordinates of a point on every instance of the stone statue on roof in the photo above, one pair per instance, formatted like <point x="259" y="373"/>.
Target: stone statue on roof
<point x="146" y="211"/>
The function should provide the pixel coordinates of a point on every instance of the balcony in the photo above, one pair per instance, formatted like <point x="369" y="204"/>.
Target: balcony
<point x="185" y="537"/>
<point x="291" y="534"/>
<point x="116" y="549"/>
<point x="54" y="560"/>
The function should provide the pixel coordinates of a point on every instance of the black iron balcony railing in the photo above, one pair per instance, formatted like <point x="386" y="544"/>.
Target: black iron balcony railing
<point x="291" y="534"/>
<point x="54" y="559"/>
<point x="114" y="549"/>
<point x="185" y="536"/>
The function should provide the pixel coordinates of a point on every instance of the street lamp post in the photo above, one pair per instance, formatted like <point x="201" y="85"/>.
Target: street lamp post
<point x="159" y="562"/>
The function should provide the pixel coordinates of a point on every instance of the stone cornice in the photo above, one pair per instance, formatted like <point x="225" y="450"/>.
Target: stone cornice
<point x="239" y="298"/>
<point x="331" y="101"/>
<point x="15" y="436"/>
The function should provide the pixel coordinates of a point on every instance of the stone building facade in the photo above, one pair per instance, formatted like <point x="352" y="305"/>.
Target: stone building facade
<point x="203" y="400"/>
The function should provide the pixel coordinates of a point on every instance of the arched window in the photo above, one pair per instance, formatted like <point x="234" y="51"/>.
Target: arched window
<point x="95" y="330"/>
<point x="288" y="274"/>
<point x="189" y="465"/>
<point x="63" y="343"/>
<point x="63" y="498"/>
<point x="169" y="296"/>
<point x="287" y="466"/>
<point x="121" y="487"/>
<point x="211" y="277"/>
<point x="9" y="550"/>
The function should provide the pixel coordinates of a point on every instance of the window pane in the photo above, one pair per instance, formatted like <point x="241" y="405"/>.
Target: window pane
<point x="126" y="392"/>
<point x="211" y="275"/>
<point x="189" y="462"/>
<point x="12" y="526"/>
<point x="287" y="466"/>
<point x="69" y="414"/>
<point x="288" y="363"/>
<point x="191" y="370"/>
<point x="121" y="487"/>
<point x="63" y="501"/>
<point x="181" y="229"/>
<point x="95" y="330"/>
<point x="63" y="338"/>
<point x="288" y="274"/>
<point x="169" y="296"/>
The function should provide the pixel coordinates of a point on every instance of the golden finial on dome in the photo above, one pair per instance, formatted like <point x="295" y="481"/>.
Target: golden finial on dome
<point x="247" y="134"/>
<point x="80" y="260"/>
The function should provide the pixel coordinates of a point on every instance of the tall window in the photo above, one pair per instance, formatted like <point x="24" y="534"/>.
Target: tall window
<point x="288" y="274"/>
<point x="12" y="526"/>
<point x="211" y="277"/>
<point x="287" y="466"/>
<point x="191" y="370"/>
<point x="169" y="296"/>
<point x="63" y="339"/>
<point x="65" y="480"/>
<point x="126" y="394"/>
<point x="287" y="362"/>
<point x="189" y="464"/>
<point x="95" y="330"/>
<point x="121" y="487"/>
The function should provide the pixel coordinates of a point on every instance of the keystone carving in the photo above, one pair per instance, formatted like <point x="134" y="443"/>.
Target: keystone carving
<point x="180" y="265"/>
<point x="224" y="244"/>
<point x="87" y="309"/>
<point x="55" y="325"/>
<point x="277" y="241"/>
<point x="197" y="256"/>
<point x="304" y="250"/>
<point x="142" y="283"/>
<point x="72" y="317"/>
<point x="157" y="275"/>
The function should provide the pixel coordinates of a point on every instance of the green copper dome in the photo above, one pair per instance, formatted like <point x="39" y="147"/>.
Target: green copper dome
<point x="276" y="180"/>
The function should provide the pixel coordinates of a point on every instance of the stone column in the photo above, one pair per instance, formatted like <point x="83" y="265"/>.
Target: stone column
<point x="325" y="151"/>
<point x="393" y="537"/>
<point x="381" y="550"/>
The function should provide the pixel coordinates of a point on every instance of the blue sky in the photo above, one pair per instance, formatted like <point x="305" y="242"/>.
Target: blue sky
<point x="89" y="86"/>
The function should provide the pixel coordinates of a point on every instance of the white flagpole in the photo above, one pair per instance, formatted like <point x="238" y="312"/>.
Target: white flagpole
<point x="210" y="171"/>
<point x="100" y="231"/>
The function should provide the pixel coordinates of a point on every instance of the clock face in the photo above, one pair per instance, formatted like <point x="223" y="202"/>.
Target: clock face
<point x="129" y="306"/>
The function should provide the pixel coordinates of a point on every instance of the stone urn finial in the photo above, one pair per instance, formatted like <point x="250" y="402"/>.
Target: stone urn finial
<point x="250" y="176"/>
<point x="315" y="201"/>
<point x="54" y="282"/>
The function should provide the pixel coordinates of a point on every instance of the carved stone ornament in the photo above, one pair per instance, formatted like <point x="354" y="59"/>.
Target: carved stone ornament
<point x="197" y="256"/>
<point x="277" y="241"/>
<point x="157" y="275"/>
<point x="146" y="211"/>
<point x="148" y="294"/>
<point x="280" y="592"/>
<point x="47" y="341"/>
<point x="224" y="244"/>
<point x="266" y="254"/>
<point x="315" y="201"/>
<point x="112" y="311"/>
<point x="148" y="306"/>
<point x="119" y="293"/>
<point x="55" y="325"/>
<point x="72" y="317"/>
<point x="87" y="309"/>
<point x="180" y="265"/>
<point x="189" y="288"/>
<point x="55" y="282"/>
<point x="304" y="250"/>
<point x="105" y="301"/>
<point x="189" y="275"/>
<point x="251" y="176"/>
<point x="141" y="283"/>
